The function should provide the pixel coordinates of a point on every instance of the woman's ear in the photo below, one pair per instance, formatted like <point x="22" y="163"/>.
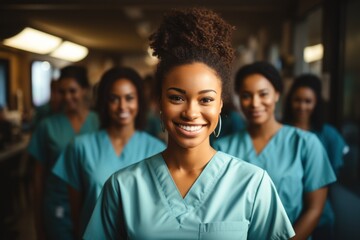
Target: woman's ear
<point x="221" y="105"/>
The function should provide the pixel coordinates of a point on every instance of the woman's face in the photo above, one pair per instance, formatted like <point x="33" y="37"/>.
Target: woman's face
<point x="72" y="94"/>
<point x="191" y="104"/>
<point x="123" y="103"/>
<point x="258" y="98"/>
<point x="303" y="103"/>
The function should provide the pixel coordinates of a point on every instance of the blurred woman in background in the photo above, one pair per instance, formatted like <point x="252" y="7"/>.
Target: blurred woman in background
<point x="50" y="137"/>
<point x="91" y="158"/>
<point x="304" y="108"/>
<point x="295" y="160"/>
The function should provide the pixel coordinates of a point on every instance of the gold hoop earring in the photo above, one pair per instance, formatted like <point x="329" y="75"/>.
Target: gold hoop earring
<point x="219" y="124"/>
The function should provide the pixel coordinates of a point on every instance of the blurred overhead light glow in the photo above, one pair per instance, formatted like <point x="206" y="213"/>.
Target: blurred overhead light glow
<point x="313" y="53"/>
<point x="34" y="41"/>
<point x="70" y="51"/>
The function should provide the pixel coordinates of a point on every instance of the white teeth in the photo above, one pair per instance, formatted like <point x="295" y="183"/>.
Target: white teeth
<point x="124" y="115"/>
<point x="190" y="128"/>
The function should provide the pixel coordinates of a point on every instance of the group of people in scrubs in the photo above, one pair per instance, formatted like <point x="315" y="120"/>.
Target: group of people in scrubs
<point x="100" y="176"/>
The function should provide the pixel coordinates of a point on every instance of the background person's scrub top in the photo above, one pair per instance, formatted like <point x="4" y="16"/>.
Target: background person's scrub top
<point x="47" y="141"/>
<point x="336" y="148"/>
<point x="90" y="160"/>
<point x="231" y="199"/>
<point x="295" y="160"/>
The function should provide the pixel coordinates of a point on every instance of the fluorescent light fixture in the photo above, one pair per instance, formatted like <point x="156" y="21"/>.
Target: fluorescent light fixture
<point x="70" y="51"/>
<point x="313" y="53"/>
<point x="33" y="40"/>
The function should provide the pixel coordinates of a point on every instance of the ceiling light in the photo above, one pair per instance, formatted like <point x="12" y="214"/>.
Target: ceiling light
<point x="33" y="40"/>
<point x="313" y="53"/>
<point x="70" y="51"/>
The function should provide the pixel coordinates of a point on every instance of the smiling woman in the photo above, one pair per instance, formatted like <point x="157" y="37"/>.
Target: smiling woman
<point x="294" y="159"/>
<point x="190" y="191"/>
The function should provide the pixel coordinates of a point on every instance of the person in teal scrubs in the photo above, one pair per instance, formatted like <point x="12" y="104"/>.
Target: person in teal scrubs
<point x="47" y="141"/>
<point x="304" y="109"/>
<point x="52" y="107"/>
<point x="295" y="160"/>
<point x="190" y="191"/>
<point x="91" y="158"/>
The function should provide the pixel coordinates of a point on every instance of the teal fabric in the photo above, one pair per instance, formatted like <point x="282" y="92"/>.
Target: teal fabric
<point x="231" y="199"/>
<point x="90" y="160"/>
<point x="231" y="122"/>
<point x="295" y="160"/>
<point x="336" y="148"/>
<point x="47" y="141"/>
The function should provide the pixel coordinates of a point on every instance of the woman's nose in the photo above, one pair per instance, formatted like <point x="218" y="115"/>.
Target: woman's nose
<point x="191" y="112"/>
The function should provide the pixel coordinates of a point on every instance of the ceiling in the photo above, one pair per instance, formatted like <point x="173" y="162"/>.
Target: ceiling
<point x="123" y="26"/>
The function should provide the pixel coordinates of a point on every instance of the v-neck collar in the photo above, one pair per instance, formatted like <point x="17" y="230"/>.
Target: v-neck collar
<point x="125" y="148"/>
<point x="82" y="125"/>
<point x="198" y="191"/>
<point x="263" y="152"/>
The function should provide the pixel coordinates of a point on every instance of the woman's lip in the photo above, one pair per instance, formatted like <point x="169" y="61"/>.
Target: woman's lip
<point x="189" y="129"/>
<point x="255" y="113"/>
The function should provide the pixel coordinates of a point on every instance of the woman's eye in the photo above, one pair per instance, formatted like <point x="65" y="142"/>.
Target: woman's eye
<point x="113" y="99"/>
<point x="130" y="98"/>
<point x="207" y="100"/>
<point x="176" y="98"/>
<point x="264" y="94"/>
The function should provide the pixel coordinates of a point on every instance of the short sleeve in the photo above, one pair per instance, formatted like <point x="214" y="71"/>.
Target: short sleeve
<point x="68" y="166"/>
<point x="318" y="171"/>
<point x="37" y="146"/>
<point x="269" y="219"/>
<point x="335" y="146"/>
<point x="107" y="221"/>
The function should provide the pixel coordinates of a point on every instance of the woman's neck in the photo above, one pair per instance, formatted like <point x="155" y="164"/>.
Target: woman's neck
<point x="121" y="132"/>
<point x="188" y="159"/>
<point x="305" y="125"/>
<point x="265" y="130"/>
<point x="80" y="113"/>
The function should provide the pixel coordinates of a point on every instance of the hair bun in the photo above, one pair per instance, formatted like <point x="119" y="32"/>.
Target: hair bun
<point x="194" y="28"/>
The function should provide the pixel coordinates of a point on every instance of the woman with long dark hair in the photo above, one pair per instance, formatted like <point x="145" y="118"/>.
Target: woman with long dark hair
<point x="304" y="108"/>
<point x="91" y="158"/>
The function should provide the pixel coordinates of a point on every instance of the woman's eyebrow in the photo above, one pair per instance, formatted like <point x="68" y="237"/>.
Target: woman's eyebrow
<point x="177" y="89"/>
<point x="207" y="90"/>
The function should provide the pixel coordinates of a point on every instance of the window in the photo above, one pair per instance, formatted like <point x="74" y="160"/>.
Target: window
<point x="41" y="76"/>
<point x="4" y="76"/>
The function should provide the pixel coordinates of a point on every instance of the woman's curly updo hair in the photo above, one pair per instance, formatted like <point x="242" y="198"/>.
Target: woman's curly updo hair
<point x="193" y="35"/>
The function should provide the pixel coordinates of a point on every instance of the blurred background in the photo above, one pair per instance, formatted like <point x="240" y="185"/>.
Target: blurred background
<point x="297" y="36"/>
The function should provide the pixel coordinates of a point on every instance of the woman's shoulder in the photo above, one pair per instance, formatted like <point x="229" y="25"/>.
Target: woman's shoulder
<point x="136" y="170"/>
<point x="146" y="136"/>
<point x="239" y="165"/>
<point x="298" y="133"/>
<point x="89" y="138"/>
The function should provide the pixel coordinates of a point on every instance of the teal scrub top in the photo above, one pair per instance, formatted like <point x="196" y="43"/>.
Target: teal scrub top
<point x="334" y="145"/>
<point x="336" y="148"/>
<point x="46" y="143"/>
<point x="231" y="199"/>
<point x="295" y="160"/>
<point x="90" y="160"/>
